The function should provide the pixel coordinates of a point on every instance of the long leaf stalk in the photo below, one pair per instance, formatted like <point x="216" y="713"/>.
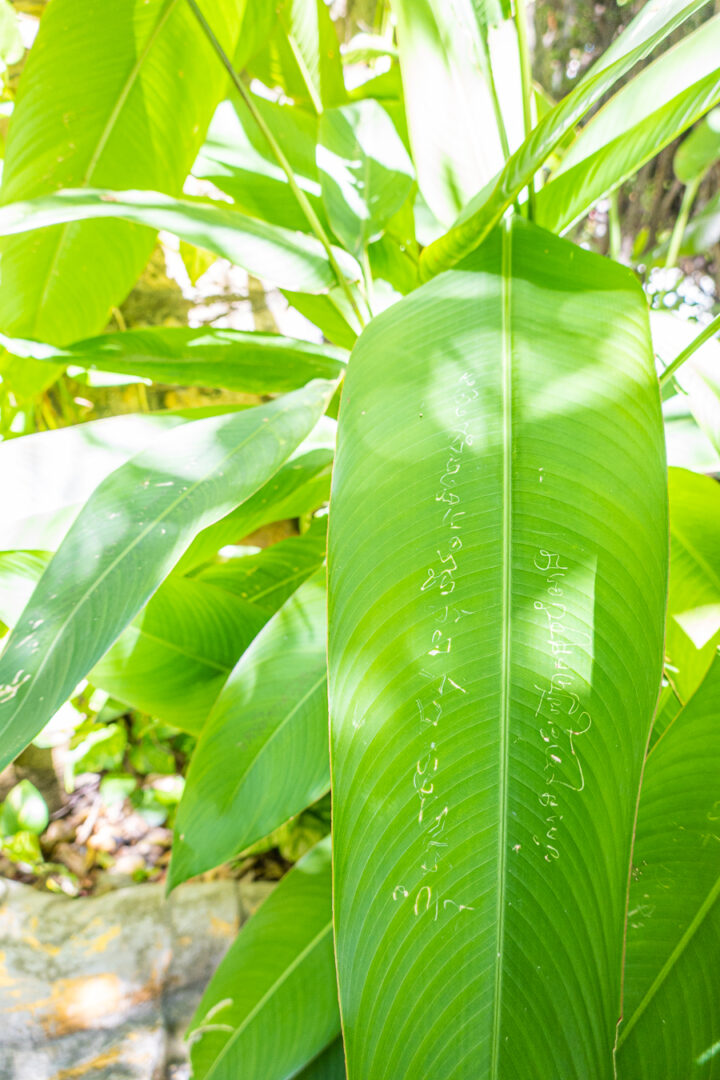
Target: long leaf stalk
<point x="710" y="330"/>
<point x="521" y="22"/>
<point x="681" y="221"/>
<point x="305" y="205"/>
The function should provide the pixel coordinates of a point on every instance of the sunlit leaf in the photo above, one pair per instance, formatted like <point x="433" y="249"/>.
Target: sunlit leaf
<point x="497" y="567"/>
<point x="127" y="538"/>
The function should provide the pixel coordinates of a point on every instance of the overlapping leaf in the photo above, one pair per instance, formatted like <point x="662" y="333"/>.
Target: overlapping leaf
<point x="672" y="995"/>
<point x="127" y="538"/>
<point x="263" y="754"/>
<point x="289" y="259"/>
<point x="682" y="84"/>
<point x="486" y="209"/>
<point x="271" y="1007"/>
<point x="111" y="96"/>
<point x="247" y="361"/>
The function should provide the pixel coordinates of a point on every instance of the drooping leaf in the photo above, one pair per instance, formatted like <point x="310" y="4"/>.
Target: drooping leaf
<point x="263" y="753"/>
<point x="693" y="615"/>
<point x="681" y="85"/>
<point x="269" y="578"/>
<point x="497" y="567"/>
<point x="127" y="538"/>
<point x="114" y="96"/>
<point x="672" y="994"/>
<point x="453" y="132"/>
<point x="237" y="158"/>
<point x="175" y="657"/>
<point x="288" y="259"/>
<point x="486" y="209"/>
<point x="243" y="360"/>
<point x="365" y="171"/>
<point x="278" y="977"/>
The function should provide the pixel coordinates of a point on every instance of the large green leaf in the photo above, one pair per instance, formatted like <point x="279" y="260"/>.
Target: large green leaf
<point x="486" y="209"/>
<point x="453" y="131"/>
<point x="693" y="616"/>
<point x="681" y="85"/>
<point x="127" y="538"/>
<point x="237" y="158"/>
<point x="113" y="95"/>
<point x="672" y="993"/>
<point x="263" y="754"/>
<point x="497" y="569"/>
<point x="272" y="1004"/>
<point x="175" y="657"/>
<point x="289" y="259"/>
<point x="365" y="171"/>
<point x="242" y="360"/>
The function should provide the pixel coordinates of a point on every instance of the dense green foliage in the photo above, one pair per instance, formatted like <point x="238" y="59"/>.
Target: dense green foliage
<point x="505" y="629"/>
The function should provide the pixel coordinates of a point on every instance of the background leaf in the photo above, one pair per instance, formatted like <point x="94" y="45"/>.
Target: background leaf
<point x="291" y="260"/>
<point x="262" y="756"/>
<point x="243" y="360"/>
<point x="111" y="96"/>
<point x="453" y="132"/>
<point x="278" y="976"/>
<point x="365" y="171"/>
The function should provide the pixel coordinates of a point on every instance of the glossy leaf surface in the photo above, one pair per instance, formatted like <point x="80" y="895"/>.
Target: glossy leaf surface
<point x="278" y="977"/>
<point x="263" y="754"/>
<point x="495" y="642"/>
<point x="127" y="538"/>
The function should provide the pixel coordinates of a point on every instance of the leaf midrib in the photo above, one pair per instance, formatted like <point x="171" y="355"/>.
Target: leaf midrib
<point x="504" y="719"/>
<point x="672" y="959"/>
<point x="289" y="970"/>
<point x="102" y="143"/>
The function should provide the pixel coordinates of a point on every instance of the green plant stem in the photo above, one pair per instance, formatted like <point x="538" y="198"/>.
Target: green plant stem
<point x="305" y="205"/>
<point x="614" y="228"/>
<point x="367" y="279"/>
<point x="681" y="222"/>
<point x="502" y="131"/>
<point x="521" y="22"/>
<point x="710" y="330"/>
